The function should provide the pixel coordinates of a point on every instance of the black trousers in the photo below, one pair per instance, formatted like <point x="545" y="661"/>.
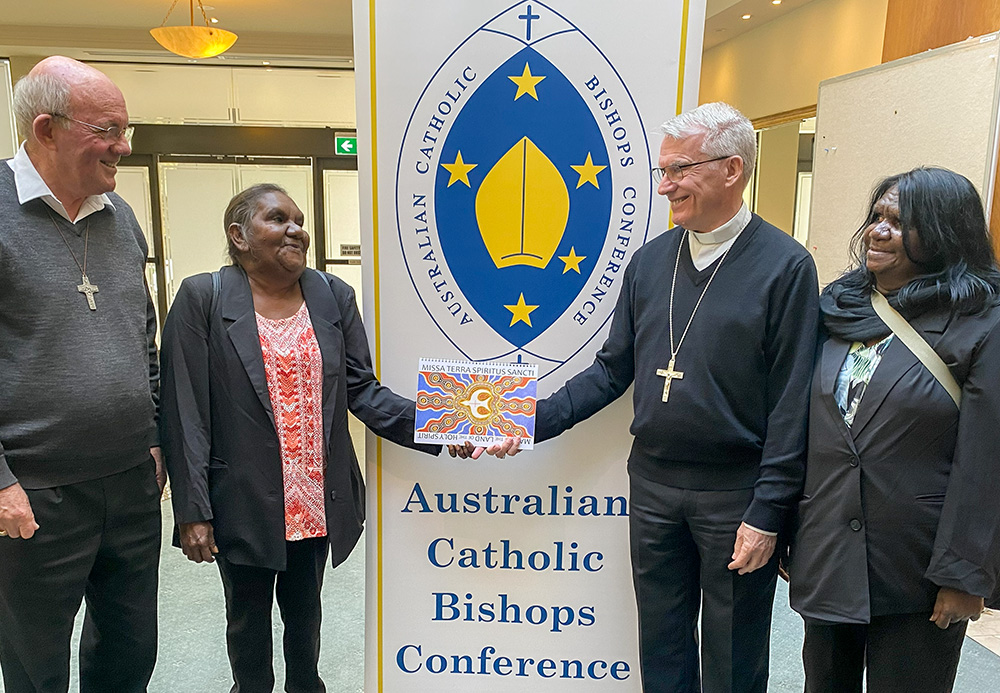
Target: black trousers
<point x="250" y="593"/>
<point x="901" y="652"/>
<point x="681" y="543"/>
<point x="97" y="540"/>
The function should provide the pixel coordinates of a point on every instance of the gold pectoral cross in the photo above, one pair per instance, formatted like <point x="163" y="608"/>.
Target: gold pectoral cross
<point x="670" y="374"/>
<point x="89" y="290"/>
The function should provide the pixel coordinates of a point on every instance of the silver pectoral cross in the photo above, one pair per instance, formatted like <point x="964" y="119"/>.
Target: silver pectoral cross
<point x="670" y="374"/>
<point x="89" y="290"/>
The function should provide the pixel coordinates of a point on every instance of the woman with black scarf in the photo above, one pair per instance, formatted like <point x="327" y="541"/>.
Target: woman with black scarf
<point x="898" y="539"/>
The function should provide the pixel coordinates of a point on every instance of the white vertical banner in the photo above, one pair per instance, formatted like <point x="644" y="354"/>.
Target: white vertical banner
<point x="504" y="157"/>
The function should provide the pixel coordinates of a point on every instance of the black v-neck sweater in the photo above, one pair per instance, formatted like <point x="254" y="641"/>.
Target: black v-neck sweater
<point x="737" y="419"/>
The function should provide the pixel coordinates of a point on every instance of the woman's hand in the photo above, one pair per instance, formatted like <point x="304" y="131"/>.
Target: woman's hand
<point x="953" y="606"/>
<point x="198" y="541"/>
<point x="510" y="446"/>
<point x="465" y="451"/>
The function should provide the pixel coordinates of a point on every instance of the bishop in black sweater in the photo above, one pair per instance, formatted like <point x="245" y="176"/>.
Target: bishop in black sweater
<point x="720" y="405"/>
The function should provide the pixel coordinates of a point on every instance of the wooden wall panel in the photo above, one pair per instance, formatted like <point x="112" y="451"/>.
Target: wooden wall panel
<point x="914" y="26"/>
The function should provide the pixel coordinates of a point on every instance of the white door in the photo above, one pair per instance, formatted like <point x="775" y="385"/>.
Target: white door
<point x="132" y="183"/>
<point x="343" y="227"/>
<point x="194" y="200"/>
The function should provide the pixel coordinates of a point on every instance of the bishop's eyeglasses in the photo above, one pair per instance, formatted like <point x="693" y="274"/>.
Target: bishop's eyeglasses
<point x="675" y="172"/>
<point x="109" y="134"/>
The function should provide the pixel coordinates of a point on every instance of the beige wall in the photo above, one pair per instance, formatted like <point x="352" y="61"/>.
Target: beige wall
<point x="778" y="67"/>
<point x="20" y="65"/>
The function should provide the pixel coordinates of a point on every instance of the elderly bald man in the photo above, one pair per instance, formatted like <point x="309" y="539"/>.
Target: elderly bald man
<point x="80" y="477"/>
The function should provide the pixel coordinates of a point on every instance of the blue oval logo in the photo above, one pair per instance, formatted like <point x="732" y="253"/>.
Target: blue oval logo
<point x="522" y="189"/>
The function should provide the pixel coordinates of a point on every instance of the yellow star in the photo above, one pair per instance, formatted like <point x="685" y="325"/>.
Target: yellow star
<point x="572" y="261"/>
<point x="526" y="83"/>
<point x="520" y="312"/>
<point x="588" y="172"/>
<point x="459" y="170"/>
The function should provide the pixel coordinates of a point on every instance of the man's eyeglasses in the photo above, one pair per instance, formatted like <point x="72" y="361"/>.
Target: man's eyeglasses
<point x="675" y="172"/>
<point x="111" y="134"/>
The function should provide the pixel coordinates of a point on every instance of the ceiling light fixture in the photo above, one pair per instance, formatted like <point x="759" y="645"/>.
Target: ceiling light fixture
<point x="193" y="41"/>
<point x="775" y="2"/>
<point x="746" y="16"/>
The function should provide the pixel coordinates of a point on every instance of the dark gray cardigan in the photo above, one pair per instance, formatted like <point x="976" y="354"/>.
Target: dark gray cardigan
<point x="77" y="387"/>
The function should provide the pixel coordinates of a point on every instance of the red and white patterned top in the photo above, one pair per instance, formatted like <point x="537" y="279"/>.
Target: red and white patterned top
<point x="294" y="367"/>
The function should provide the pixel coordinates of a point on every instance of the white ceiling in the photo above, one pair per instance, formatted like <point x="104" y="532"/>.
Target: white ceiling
<point x="286" y="31"/>
<point x="724" y="17"/>
<point x="289" y="16"/>
<point x="306" y="32"/>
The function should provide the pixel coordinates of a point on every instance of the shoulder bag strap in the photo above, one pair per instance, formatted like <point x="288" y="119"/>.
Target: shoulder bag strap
<point x="326" y="279"/>
<point x="918" y="345"/>
<point x="216" y="291"/>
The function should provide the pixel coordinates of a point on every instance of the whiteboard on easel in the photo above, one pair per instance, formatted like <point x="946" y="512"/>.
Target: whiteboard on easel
<point x="937" y="108"/>
<point x="8" y="133"/>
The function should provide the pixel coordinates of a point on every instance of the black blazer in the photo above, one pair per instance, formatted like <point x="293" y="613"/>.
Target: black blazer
<point x="217" y="426"/>
<point x="906" y="500"/>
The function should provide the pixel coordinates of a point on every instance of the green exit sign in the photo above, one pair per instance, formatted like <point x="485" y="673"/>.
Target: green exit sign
<point x="345" y="146"/>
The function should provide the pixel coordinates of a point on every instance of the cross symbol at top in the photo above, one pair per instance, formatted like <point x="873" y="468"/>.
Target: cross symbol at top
<point x="528" y="17"/>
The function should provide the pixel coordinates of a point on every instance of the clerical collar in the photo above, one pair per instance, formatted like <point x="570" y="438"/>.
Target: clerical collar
<point x="731" y="229"/>
<point x="30" y="186"/>
<point x="708" y="247"/>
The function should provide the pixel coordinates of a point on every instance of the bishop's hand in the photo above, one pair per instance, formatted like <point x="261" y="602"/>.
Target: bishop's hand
<point x="510" y="446"/>
<point x="752" y="549"/>
<point x="16" y="517"/>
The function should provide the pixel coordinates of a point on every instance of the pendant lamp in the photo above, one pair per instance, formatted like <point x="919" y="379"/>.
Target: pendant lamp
<point x="193" y="41"/>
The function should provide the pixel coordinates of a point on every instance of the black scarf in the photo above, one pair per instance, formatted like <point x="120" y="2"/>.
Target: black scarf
<point x="848" y="314"/>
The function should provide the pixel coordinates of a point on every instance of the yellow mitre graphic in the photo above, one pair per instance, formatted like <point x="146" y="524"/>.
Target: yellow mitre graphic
<point x="522" y="207"/>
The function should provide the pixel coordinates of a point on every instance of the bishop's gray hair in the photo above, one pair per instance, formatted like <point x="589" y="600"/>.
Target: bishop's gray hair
<point x="727" y="132"/>
<point x="35" y="94"/>
<point x="241" y="210"/>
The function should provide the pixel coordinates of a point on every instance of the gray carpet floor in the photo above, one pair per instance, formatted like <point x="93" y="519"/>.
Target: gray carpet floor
<point x="192" y="657"/>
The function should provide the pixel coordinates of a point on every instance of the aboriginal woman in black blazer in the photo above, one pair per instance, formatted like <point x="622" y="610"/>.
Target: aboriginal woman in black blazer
<point x="898" y="541"/>
<point x="268" y="492"/>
